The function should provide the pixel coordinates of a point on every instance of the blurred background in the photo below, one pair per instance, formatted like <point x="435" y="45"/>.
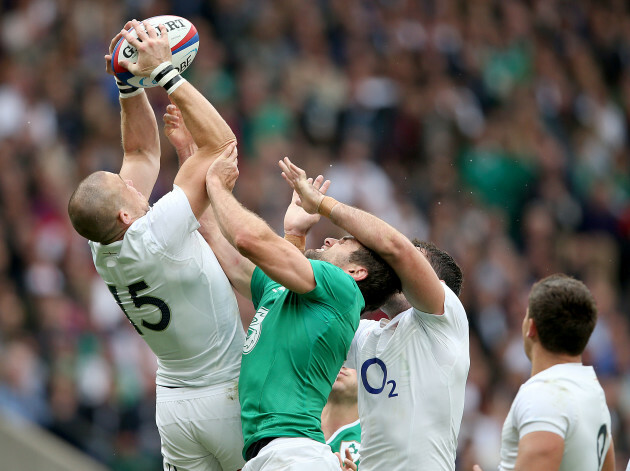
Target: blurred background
<point x="497" y="129"/>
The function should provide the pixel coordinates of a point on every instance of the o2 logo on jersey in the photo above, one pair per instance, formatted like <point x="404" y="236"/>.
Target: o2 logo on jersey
<point x="374" y="387"/>
<point x="253" y="332"/>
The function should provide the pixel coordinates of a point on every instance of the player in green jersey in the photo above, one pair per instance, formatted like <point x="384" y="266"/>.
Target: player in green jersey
<point x="306" y="314"/>
<point x="340" y="417"/>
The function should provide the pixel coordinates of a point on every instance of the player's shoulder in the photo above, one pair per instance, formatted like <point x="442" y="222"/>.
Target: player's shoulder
<point x="366" y="326"/>
<point x="334" y="281"/>
<point x="453" y="318"/>
<point x="564" y="382"/>
<point x="452" y="304"/>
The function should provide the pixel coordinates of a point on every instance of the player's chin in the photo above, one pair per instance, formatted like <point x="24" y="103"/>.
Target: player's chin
<point x="313" y="254"/>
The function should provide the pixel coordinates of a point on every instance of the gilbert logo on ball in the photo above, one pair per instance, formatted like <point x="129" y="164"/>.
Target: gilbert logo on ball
<point x="182" y="37"/>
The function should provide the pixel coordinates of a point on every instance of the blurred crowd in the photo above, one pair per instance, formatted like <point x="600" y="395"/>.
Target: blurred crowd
<point x="499" y="130"/>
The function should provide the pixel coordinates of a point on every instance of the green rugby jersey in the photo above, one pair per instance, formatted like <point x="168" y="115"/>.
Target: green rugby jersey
<point x="295" y="347"/>
<point x="347" y="437"/>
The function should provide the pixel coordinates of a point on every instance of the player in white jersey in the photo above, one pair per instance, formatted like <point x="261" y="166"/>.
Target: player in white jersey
<point x="163" y="274"/>
<point x="559" y="420"/>
<point x="412" y="368"/>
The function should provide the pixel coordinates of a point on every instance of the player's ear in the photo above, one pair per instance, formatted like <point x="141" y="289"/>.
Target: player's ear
<point x="124" y="217"/>
<point x="531" y="330"/>
<point x="357" y="272"/>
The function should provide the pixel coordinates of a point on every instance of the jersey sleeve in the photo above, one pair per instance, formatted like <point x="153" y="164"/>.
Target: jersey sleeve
<point x="171" y="221"/>
<point x="538" y="408"/>
<point x="453" y="323"/>
<point x="257" y="285"/>
<point x="334" y="287"/>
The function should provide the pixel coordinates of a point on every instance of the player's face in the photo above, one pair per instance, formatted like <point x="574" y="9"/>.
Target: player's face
<point x="335" y="251"/>
<point x="134" y="198"/>
<point x="346" y="383"/>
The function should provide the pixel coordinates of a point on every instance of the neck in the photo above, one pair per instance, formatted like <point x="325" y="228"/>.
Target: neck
<point x="116" y="236"/>
<point x="337" y="414"/>
<point x="395" y="305"/>
<point x="543" y="359"/>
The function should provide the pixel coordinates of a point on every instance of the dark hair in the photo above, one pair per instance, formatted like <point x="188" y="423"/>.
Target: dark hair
<point x="381" y="281"/>
<point x="564" y="312"/>
<point x="444" y="265"/>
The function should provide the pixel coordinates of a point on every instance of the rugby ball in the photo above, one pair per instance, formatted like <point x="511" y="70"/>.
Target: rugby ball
<point x="182" y="37"/>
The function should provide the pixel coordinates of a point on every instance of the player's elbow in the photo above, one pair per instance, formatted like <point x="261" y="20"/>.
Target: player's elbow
<point x="252" y="243"/>
<point x="246" y="243"/>
<point x="395" y="247"/>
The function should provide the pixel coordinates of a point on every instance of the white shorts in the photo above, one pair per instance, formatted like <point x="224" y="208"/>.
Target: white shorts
<point x="294" y="454"/>
<point x="200" y="428"/>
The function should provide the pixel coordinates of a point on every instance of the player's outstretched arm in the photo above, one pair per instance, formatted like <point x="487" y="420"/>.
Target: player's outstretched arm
<point x="421" y="285"/>
<point x="140" y="138"/>
<point x="298" y="222"/>
<point x="209" y="130"/>
<point x="237" y="268"/>
<point x="539" y="450"/>
<point x="252" y="237"/>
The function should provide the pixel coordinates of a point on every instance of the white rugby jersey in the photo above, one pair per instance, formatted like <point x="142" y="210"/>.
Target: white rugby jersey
<point x="170" y="285"/>
<point x="412" y="374"/>
<point x="565" y="399"/>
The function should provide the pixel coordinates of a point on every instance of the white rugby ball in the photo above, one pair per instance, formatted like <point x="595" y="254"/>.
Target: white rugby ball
<point x="182" y="37"/>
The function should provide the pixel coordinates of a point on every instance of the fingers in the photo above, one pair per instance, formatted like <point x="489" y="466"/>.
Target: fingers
<point x="290" y="169"/>
<point x="477" y="468"/>
<point x="150" y="30"/>
<point x="324" y="188"/>
<point x="230" y="153"/>
<point x="297" y="171"/>
<point x="171" y="120"/>
<point x="113" y="42"/>
<point x="163" y="32"/>
<point x="288" y="180"/>
<point x="284" y="168"/>
<point x="174" y="110"/>
<point x="140" y="31"/>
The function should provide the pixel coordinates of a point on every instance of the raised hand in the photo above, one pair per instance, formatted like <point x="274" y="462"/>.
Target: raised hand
<point x="309" y="197"/>
<point x="153" y="49"/>
<point x="224" y="170"/>
<point x="297" y="221"/>
<point x="112" y="45"/>
<point x="177" y="133"/>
